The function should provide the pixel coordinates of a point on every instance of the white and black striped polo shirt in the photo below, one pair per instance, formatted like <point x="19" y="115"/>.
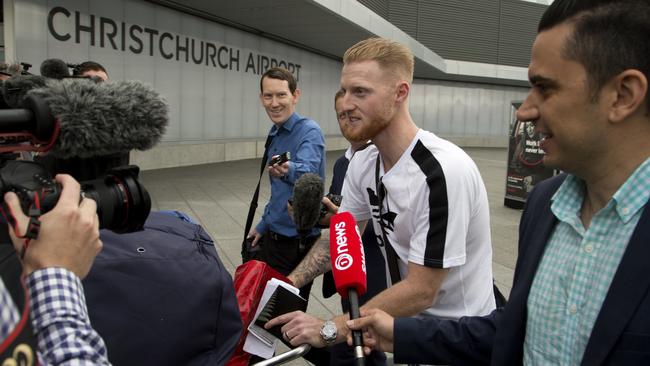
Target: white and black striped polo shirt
<point x="436" y="214"/>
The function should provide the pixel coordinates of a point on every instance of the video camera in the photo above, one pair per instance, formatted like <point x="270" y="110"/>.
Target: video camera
<point x="123" y="204"/>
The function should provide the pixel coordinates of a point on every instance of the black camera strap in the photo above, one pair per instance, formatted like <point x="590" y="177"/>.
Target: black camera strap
<point x="253" y="206"/>
<point x="391" y="255"/>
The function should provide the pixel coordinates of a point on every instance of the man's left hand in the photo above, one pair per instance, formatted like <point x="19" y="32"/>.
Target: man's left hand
<point x="279" y="170"/>
<point x="332" y="210"/>
<point x="299" y="328"/>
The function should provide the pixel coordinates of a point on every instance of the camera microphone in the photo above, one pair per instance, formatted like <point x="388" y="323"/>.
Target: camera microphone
<point x="94" y="119"/>
<point x="307" y="196"/>
<point x="16" y="88"/>
<point x="55" y="69"/>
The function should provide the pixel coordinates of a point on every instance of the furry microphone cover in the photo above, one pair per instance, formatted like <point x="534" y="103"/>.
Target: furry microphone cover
<point x="307" y="196"/>
<point x="16" y="88"/>
<point x="105" y="118"/>
<point x="55" y="69"/>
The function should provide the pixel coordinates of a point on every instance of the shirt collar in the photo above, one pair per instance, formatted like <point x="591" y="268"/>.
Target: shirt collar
<point x="627" y="201"/>
<point x="567" y="200"/>
<point x="634" y="193"/>
<point x="349" y="153"/>
<point x="287" y="125"/>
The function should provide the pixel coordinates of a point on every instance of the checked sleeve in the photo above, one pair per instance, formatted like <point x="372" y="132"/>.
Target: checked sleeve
<point x="60" y="319"/>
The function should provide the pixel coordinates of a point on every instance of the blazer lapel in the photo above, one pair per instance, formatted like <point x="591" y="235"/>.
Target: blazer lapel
<point x="628" y="288"/>
<point x="537" y="227"/>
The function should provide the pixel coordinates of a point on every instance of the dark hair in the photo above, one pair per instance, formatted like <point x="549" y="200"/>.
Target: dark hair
<point x="280" y="73"/>
<point x="88" y="66"/>
<point x="609" y="36"/>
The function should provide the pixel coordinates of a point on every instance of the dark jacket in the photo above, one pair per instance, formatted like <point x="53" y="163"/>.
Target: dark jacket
<point x="621" y="334"/>
<point x="161" y="296"/>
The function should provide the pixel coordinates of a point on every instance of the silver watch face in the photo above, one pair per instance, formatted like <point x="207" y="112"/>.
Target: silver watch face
<point x="328" y="331"/>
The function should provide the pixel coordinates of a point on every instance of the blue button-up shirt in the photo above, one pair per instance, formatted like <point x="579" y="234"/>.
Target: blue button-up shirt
<point x="303" y="138"/>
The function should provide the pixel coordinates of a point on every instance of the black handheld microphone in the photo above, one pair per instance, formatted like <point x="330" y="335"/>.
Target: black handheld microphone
<point x="307" y="196"/>
<point x="94" y="119"/>
<point x="349" y="269"/>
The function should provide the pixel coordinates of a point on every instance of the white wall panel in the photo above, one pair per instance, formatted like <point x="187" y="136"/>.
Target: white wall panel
<point x="35" y="35"/>
<point x="463" y="109"/>
<point x="108" y="10"/>
<point x="444" y="116"/>
<point x="207" y="101"/>
<point x="233" y="106"/>
<point x="416" y="103"/>
<point x="249" y="90"/>
<point x="472" y="105"/>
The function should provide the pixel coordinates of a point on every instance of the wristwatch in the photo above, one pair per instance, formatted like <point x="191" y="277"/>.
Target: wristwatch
<point x="328" y="332"/>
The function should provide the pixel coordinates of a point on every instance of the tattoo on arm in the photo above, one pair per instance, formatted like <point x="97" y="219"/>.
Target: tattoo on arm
<point x="315" y="263"/>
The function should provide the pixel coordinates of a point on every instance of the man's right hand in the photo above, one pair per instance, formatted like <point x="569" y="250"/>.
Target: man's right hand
<point x="278" y="170"/>
<point x="68" y="235"/>
<point x="332" y="210"/>
<point x="255" y="235"/>
<point x="377" y="328"/>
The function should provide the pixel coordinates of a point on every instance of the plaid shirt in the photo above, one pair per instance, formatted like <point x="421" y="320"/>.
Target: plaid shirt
<point x="9" y="315"/>
<point x="577" y="269"/>
<point x="59" y="319"/>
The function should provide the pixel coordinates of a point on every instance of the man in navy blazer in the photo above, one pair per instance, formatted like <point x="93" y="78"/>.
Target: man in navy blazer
<point x="581" y="291"/>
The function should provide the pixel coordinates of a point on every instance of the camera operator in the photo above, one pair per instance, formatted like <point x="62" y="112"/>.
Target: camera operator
<point x="53" y="265"/>
<point x="157" y="274"/>
<point x="91" y="69"/>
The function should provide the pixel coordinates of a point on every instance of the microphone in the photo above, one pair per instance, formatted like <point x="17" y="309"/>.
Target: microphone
<point x="307" y="196"/>
<point x="16" y="88"/>
<point x="55" y="69"/>
<point x="94" y="119"/>
<point x="349" y="269"/>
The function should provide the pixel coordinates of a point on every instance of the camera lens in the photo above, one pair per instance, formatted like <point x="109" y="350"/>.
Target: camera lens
<point x="123" y="204"/>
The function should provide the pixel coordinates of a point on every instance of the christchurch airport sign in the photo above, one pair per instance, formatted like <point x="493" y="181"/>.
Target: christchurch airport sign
<point x="137" y="39"/>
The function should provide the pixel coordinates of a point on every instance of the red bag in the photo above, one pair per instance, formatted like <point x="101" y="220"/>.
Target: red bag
<point x="250" y="281"/>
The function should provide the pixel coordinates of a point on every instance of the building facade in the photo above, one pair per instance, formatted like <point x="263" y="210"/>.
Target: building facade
<point x="206" y="59"/>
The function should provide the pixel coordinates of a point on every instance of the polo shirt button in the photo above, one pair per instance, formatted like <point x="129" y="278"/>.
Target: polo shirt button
<point x="573" y="309"/>
<point x="589" y="248"/>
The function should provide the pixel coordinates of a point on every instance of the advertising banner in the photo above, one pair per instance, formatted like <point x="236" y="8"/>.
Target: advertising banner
<point x="525" y="161"/>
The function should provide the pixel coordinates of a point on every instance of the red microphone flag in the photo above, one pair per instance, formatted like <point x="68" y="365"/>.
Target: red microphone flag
<point x="346" y="254"/>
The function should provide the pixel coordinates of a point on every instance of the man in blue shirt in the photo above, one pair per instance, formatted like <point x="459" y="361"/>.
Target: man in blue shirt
<point x="280" y="245"/>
